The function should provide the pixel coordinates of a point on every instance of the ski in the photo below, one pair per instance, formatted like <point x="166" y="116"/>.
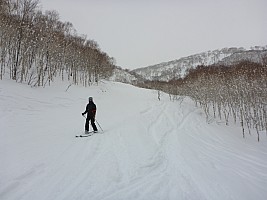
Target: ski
<point x="85" y="135"/>
<point x="89" y="134"/>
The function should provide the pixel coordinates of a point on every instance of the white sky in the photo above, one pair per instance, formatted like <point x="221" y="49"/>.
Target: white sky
<point x="138" y="33"/>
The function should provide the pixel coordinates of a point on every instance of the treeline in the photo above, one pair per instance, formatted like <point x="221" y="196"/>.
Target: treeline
<point x="238" y="92"/>
<point x="36" y="47"/>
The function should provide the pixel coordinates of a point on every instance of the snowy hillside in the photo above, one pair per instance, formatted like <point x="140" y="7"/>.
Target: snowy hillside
<point x="122" y="76"/>
<point x="252" y="55"/>
<point x="177" y="68"/>
<point x="149" y="149"/>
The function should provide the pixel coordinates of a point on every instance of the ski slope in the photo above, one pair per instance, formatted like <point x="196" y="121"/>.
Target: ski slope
<point x="149" y="149"/>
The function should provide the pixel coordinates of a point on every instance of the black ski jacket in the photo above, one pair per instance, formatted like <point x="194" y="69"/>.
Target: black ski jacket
<point x="90" y="109"/>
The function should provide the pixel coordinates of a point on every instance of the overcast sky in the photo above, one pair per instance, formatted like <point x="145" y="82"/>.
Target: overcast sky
<point x="139" y="33"/>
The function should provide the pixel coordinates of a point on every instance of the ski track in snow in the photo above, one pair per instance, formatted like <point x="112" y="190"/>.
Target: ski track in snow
<point x="150" y="149"/>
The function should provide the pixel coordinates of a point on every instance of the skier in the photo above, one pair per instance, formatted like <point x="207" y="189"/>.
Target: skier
<point x="91" y="111"/>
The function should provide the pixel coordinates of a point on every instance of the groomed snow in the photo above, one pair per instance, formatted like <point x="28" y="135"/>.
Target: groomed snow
<point x="149" y="150"/>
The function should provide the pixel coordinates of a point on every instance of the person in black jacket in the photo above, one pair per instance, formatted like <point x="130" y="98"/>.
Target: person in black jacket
<point x="91" y="112"/>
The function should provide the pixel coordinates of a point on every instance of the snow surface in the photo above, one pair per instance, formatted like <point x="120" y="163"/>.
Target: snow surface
<point x="150" y="149"/>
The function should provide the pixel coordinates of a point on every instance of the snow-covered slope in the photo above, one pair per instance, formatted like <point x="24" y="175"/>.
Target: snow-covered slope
<point x="178" y="68"/>
<point x="122" y="76"/>
<point x="252" y="55"/>
<point x="149" y="149"/>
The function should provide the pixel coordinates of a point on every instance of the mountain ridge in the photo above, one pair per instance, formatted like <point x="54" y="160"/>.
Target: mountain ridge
<point x="178" y="68"/>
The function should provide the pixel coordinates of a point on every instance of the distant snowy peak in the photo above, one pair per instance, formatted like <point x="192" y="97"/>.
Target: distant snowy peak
<point x="250" y="55"/>
<point x="178" y="68"/>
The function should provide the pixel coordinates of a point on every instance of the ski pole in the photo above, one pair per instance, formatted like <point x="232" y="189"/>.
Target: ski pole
<point x="99" y="125"/>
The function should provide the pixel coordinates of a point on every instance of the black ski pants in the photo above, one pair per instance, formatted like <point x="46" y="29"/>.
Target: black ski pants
<point x="92" y="119"/>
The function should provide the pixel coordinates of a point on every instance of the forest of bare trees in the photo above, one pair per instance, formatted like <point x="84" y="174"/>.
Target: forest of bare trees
<point x="36" y="47"/>
<point x="237" y="92"/>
